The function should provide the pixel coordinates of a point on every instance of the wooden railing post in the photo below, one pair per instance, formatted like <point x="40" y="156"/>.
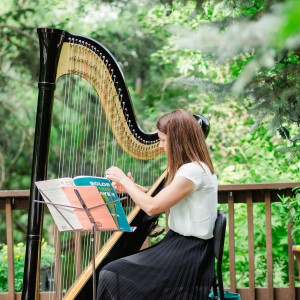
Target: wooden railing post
<point x="251" y="246"/>
<point x="269" y="246"/>
<point x="231" y="242"/>
<point x="291" y="265"/>
<point x="10" y="249"/>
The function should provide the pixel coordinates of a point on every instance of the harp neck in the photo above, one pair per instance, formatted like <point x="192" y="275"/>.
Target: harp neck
<point x="89" y="59"/>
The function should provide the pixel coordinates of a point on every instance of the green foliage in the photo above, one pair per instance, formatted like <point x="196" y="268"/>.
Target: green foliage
<point x="19" y="256"/>
<point x="290" y="212"/>
<point x="146" y="50"/>
<point x="143" y="35"/>
<point x="261" y="68"/>
<point x="291" y="24"/>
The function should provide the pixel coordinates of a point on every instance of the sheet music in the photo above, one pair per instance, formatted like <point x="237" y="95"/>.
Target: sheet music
<point x="91" y="197"/>
<point x="62" y="198"/>
<point x="51" y="189"/>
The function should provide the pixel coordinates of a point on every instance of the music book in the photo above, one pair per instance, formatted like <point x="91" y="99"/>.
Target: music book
<point x="101" y="204"/>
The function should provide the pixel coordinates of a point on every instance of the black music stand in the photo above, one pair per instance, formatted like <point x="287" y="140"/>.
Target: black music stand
<point x="95" y="224"/>
<point x="92" y="239"/>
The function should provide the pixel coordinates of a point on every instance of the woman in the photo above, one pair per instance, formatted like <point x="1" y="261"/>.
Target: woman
<point x="181" y="265"/>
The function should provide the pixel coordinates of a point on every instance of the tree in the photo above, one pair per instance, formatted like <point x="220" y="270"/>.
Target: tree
<point x="160" y="75"/>
<point x="260" y="40"/>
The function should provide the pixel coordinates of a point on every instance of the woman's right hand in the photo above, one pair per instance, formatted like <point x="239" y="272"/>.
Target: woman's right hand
<point x="118" y="187"/>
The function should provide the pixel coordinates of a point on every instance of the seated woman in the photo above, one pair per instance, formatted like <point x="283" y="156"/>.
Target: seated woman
<point x="181" y="266"/>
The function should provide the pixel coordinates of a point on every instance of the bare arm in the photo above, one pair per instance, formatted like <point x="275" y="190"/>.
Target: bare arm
<point x="166" y="198"/>
<point x="120" y="189"/>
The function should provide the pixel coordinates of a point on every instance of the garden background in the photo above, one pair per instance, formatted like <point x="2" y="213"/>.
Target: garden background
<point x="236" y="62"/>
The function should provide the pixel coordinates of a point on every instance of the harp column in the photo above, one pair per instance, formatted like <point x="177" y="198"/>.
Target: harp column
<point x="51" y="41"/>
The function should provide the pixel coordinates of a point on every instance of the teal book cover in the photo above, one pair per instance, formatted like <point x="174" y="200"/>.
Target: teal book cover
<point x="108" y="194"/>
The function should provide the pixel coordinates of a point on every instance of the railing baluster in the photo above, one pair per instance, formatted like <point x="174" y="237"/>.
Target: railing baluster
<point x="269" y="246"/>
<point x="231" y="242"/>
<point x="250" y="246"/>
<point x="291" y="265"/>
<point x="10" y="249"/>
<point x="57" y="269"/>
<point x="77" y="253"/>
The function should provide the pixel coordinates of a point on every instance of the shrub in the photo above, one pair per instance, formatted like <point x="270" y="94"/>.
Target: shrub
<point x="19" y="257"/>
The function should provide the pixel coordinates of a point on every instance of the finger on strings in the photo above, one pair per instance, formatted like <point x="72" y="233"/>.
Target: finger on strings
<point x="129" y="175"/>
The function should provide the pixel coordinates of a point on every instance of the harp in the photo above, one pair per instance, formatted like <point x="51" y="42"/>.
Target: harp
<point x="94" y="119"/>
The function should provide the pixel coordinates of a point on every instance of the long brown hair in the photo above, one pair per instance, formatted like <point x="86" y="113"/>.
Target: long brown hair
<point x="185" y="141"/>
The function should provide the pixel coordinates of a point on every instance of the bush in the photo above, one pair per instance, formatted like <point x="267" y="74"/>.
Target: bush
<point x="19" y="257"/>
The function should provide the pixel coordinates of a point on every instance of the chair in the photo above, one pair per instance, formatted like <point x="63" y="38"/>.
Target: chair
<point x="219" y="237"/>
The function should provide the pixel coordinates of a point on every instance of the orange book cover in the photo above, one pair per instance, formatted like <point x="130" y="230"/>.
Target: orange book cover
<point x="95" y="205"/>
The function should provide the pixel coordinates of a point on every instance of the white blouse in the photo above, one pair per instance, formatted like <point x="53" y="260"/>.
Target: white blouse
<point x="195" y="215"/>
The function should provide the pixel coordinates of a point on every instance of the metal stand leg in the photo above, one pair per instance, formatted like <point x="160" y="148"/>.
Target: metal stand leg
<point x="93" y="261"/>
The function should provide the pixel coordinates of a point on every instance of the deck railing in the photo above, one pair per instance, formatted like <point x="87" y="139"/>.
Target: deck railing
<point x="231" y="198"/>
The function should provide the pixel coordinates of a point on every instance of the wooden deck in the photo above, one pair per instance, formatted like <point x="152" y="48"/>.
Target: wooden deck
<point x="231" y="198"/>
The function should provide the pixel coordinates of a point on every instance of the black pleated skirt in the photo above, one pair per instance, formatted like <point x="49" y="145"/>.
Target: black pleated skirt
<point x="178" y="267"/>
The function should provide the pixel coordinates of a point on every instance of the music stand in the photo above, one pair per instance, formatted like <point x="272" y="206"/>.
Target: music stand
<point x="87" y="202"/>
<point x="92" y="239"/>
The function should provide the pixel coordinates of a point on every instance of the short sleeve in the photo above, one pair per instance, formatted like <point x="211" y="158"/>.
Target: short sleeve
<point x="191" y="171"/>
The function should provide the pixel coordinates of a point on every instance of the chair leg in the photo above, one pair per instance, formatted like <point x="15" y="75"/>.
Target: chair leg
<point x="215" y="288"/>
<point x="220" y="285"/>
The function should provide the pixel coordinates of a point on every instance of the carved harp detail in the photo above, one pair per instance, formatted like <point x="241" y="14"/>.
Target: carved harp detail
<point x="62" y="53"/>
